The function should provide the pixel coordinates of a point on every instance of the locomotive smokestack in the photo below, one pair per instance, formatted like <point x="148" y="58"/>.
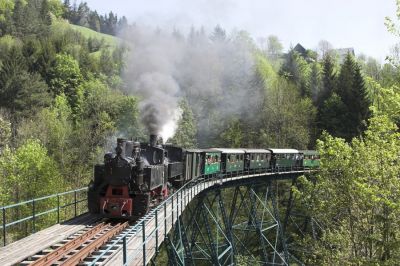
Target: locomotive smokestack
<point x="153" y="140"/>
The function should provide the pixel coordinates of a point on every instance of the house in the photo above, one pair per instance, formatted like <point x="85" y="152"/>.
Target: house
<point x="301" y="50"/>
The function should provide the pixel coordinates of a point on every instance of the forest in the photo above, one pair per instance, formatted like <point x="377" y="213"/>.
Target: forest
<point x="71" y="81"/>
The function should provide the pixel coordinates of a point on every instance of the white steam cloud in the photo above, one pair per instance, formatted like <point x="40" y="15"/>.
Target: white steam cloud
<point x="214" y="72"/>
<point x="149" y="75"/>
<point x="159" y="100"/>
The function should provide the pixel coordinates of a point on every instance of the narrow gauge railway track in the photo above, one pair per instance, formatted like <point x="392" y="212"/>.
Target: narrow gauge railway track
<point x="73" y="250"/>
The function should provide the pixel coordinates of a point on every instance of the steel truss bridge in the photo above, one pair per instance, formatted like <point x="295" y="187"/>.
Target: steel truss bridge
<point x="223" y="219"/>
<point x="218" y="220"/>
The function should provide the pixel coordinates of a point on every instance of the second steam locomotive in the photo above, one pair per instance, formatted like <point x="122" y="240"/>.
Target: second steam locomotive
<point x="140" y="175"/>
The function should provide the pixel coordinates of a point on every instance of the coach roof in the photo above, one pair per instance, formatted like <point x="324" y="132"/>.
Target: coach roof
<point x="277" y="151"/>
<point x="226" y="150"/>
<point x="256" y="151"/>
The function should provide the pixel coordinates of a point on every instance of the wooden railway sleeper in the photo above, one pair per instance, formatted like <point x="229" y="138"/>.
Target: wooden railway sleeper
<point x="61" y="251"/>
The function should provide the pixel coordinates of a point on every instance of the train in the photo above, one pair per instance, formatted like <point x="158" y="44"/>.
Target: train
<point x="138" y="176"/>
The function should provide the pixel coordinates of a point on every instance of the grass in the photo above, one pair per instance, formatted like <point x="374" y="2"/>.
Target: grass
<point x="109" y="40"/>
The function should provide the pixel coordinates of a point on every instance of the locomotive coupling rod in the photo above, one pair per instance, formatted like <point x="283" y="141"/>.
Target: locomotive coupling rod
<point x="60" y="252"/>
<point x="94" y="245"/>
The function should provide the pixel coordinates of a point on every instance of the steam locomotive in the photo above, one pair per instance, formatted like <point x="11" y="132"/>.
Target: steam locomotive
<point x="140" y="175"/>
<point x="133" y="178"/>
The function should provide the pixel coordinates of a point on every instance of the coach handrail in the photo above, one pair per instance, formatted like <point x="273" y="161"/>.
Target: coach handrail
<point x="34" y="214"/>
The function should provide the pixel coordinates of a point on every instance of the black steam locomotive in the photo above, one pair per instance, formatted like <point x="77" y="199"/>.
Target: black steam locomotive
<point x="134" y="178"/>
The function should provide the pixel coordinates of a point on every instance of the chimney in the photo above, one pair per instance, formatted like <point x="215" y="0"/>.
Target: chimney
<point x="153" y="140"/>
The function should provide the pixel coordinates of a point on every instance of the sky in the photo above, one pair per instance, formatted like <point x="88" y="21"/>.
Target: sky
<point x="344" y="23"/>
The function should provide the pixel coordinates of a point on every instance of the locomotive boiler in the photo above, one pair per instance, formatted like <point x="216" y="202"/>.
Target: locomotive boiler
<point x="133" y="178"/>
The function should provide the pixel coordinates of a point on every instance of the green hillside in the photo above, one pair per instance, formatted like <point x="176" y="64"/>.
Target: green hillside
<point x="63" y="25"/>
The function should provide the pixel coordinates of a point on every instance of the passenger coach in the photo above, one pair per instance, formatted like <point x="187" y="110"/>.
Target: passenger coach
<point x="285" y="159"/>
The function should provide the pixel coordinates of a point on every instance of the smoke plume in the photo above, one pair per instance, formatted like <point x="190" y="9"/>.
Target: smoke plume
<point x="149" y="75"/>
<point x="213" y="71"/>
<point x="159" y="100"/>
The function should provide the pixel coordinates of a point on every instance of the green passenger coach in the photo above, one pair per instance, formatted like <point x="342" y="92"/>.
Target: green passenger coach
<point x="257" y="159"/>
<point x="310" y="159"/>
<point x="232" y="160"/>
<point x="211" y="161"/>
<point x="285" y="158"/>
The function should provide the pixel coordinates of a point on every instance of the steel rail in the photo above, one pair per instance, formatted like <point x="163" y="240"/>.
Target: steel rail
<point x="71" y="245"/>
<point x="94" y="245"/>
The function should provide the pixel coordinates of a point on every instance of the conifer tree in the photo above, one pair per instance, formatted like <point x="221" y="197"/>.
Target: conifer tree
<point x="329" y="79"/>
<point x="353" y="93"/>
<point x="21" y="92"/>
<point x="45" y="13"/>
<point x="315" y="81"/>
<point x="219" y="34"/>
<point x="18" y="18"/>
<point x="67" y="9"/>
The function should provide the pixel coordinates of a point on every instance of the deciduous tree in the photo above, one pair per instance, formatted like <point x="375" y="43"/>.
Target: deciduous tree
<point x="355" y="198"/>
<point x="185" y="135"/>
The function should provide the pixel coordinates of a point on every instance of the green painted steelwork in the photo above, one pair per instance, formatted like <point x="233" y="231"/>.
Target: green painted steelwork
<point x="43" y="207"/>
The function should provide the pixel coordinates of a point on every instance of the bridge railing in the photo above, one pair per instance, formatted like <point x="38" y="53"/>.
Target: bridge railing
<point x="191" y="188"/>
<point x="27" y="217"/>
<point x="24" y="218"/>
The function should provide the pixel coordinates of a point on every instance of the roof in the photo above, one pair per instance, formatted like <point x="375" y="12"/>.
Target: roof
<point x="284" y="150"/>
<point x="256" y="151"/>
<point x="194" y="150"/>
<point x="299" y="48"/>
<point x="209" y="150"/>
<point x="311" y="152"/>
<point x="227" y="150"/>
